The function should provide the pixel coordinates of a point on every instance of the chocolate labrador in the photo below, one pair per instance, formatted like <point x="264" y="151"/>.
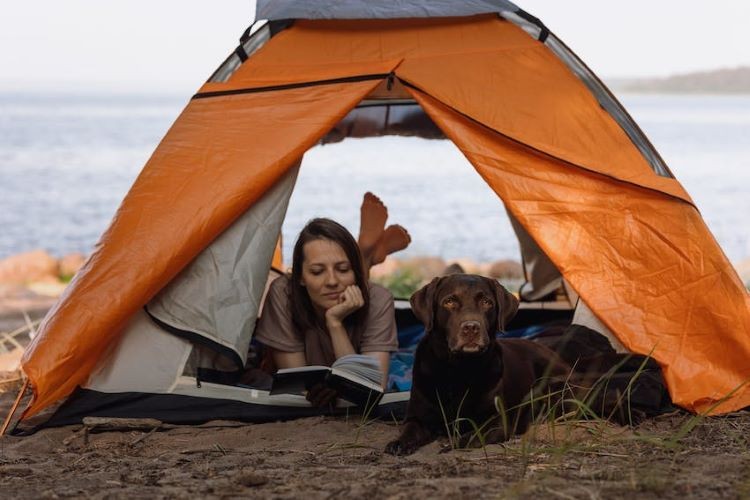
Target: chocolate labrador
<point x="463" y="379"/>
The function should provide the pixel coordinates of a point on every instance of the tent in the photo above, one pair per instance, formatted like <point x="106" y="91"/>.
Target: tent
<point x="170" y="295"/>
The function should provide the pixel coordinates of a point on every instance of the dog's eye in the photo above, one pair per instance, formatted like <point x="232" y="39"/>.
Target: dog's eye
<point x="450" y="302"/>
<point x="486" y="302"/>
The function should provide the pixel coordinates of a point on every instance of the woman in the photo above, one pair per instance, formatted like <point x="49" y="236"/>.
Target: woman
<point x="326" y="309"/>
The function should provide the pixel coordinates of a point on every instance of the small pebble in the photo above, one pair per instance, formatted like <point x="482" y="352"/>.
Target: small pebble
<point x="250" y="479"/>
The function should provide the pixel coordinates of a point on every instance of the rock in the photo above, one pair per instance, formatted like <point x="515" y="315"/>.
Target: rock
<point x="385" y="268"/>
<point x="17" y="300"/>
<point x="454" y="268"/>
<point x="743" y="269"/>
<point x="35" y="266"/>
<point x="10" y="361"/>
<point x="69" y="265"/>
<point x="468" y="265"/>
<point x="47" y="288"/>
<point x="249" y="478"/>
<point x="426" y="267"/>
<point x="505" y="269"/>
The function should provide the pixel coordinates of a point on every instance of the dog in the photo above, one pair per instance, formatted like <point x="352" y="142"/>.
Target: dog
<point x="463" y="378"/>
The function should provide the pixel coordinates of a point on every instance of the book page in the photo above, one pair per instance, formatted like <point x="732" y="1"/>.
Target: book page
<point x="361" y="369"/>
<point x="300" y="369"/>
<point x="297" y="380"/>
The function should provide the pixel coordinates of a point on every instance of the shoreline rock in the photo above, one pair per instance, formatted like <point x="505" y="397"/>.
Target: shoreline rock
<point x="34" y="266"/>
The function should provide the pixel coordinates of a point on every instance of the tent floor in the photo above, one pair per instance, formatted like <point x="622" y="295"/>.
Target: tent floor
<point x="189" y="410"/>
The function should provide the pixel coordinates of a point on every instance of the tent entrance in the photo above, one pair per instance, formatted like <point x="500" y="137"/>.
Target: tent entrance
<point x="540" y="129"/>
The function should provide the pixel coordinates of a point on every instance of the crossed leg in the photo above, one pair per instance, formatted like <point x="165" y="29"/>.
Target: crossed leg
<point x="375" y="240"/>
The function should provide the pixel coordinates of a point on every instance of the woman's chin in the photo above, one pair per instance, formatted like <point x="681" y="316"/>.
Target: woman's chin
<point x="326" y="303"/>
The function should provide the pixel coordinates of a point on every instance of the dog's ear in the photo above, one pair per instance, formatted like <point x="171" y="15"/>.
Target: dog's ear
<point x="507" y="304"/>
<point x="422" y="302"/>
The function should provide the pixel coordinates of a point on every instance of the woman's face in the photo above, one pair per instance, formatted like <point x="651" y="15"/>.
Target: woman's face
<point x="326" y="272"/>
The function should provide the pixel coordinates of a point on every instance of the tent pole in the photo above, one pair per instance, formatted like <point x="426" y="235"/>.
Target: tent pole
<point x="14" y="408"/>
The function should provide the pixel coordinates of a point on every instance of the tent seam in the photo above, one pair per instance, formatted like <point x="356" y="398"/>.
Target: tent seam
<point x="545" y="153"/>
<point x="288" y="86"/>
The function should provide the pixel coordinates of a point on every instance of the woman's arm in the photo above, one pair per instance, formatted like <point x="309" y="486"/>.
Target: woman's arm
<point x="350" y="301"/>
<point x="288" y="359"/>
<point x="318" y="395"/>
<point x="340" y="341"/>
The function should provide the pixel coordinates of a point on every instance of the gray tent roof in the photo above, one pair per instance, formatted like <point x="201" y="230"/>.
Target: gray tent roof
<point x="377" y="9"/>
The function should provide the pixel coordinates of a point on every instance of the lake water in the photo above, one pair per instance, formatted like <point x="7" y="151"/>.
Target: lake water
<point x="66" y="162"/>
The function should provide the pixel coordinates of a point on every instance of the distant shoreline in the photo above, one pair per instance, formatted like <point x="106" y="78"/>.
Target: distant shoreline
<point x="732" y="81"/>
<point x="726" y="81"/>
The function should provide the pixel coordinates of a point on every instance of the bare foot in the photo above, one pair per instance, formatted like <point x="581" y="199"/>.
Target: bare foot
<point x="393" y="239"/>
<point x="373" y="215"/>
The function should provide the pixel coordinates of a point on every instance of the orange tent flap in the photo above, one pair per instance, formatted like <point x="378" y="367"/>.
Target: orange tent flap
<point x="254" y="75"/>
<point x="219" y="157"/>
<point x="348" y="41"/>
<point x="321" y="50"/>
<point x="644" y="262"/>
<point x="530" y="96"/>
<point x="278" y="257"/>
<point x="472" y="64"/>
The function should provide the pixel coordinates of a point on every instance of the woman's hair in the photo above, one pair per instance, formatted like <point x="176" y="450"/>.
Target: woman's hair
<point x="303" y="313"/>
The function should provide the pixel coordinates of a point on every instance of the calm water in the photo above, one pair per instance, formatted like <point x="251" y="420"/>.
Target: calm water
<point x="67" y="161"/>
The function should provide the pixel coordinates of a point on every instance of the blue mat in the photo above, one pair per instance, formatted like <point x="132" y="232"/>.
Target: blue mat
<point x="402" y="361"/>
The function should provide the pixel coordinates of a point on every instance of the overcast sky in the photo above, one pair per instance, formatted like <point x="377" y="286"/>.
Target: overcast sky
<point x="175" y="45"/>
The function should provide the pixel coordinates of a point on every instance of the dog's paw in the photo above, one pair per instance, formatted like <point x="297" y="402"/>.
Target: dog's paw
<point x="446" y="448"/>
<point x="634" y="418"/>
<point x="467" y="440"/>
<point x="400" y="448"/>
<point x="628" y="418"/>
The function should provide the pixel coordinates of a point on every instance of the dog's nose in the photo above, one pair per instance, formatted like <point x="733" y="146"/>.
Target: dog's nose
<point x="470" y="328"/>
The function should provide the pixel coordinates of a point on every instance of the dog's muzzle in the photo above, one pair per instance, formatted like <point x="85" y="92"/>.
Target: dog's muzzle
<point x="471" y="338"/>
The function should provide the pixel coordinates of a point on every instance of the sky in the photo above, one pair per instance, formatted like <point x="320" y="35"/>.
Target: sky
<point x="174" y="45"/>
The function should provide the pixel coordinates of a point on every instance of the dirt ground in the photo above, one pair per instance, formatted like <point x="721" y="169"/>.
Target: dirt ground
<point x="673" y="456"/>
<point x="337" y="457"/>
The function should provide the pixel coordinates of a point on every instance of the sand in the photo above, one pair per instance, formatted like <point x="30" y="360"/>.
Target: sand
<point x="673" y="456"/>
<point x="324" y="457"/>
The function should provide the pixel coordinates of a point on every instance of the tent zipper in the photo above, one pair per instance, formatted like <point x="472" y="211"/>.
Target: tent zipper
<point x="288" y="86"/>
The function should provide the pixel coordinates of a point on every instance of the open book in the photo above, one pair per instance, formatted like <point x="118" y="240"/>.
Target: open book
<point x="355" y="377"/>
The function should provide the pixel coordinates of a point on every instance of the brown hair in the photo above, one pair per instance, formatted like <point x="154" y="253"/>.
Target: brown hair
<point x="303" y="313"/>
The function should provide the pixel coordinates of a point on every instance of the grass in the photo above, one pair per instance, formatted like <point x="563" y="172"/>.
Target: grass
<point x="402" y="283"/>
<point x="563" y="412"/>
<point x="365" y="418"/>
<point x="9" y="341"/>
<point x="565" y="426"/>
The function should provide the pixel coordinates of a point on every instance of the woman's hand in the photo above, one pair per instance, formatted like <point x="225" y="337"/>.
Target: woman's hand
<point x="321" y="396"/>
<point x="349" y="301"/>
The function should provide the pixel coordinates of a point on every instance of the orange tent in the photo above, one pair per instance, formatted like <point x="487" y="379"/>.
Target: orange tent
<point x="546" y="135"/>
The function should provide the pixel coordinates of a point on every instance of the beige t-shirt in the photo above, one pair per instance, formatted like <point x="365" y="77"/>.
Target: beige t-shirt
<point x="276" y="329"/>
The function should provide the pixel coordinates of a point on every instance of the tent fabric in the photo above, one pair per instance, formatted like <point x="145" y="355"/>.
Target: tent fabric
<point x="624" y="235"/>
<point x="542" y="277"/>
<point x="160" y="359"/>
<point x="377" y="9"/>
<point x="218" y="295"/>
<point x="221" y="155"/>
<point x="195" y="405"/>
<point x="644" y="263"/>
<point x="374" y="119"/>
<point x="524" y="22"/>
<point x="491" y="58"/>
<point x="563" y="120"/>
<point x="609" y="104"/>
<point x="259" y="77"/>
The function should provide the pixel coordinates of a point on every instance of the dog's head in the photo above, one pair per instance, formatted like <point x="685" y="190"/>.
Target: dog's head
<point x="464" y="309"/>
